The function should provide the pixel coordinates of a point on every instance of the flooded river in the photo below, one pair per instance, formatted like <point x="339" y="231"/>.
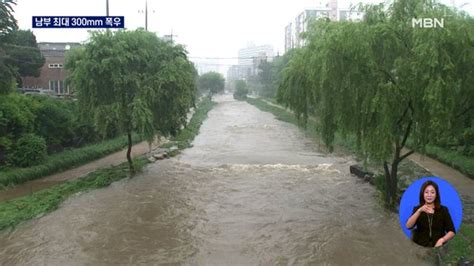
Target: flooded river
<point x="251" y="191"/>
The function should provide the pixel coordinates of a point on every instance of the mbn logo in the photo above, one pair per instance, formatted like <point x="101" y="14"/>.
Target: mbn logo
<point x="427" y="23"/>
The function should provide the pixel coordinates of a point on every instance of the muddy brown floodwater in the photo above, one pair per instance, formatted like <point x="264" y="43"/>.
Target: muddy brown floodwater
<point x="251" y="191"/>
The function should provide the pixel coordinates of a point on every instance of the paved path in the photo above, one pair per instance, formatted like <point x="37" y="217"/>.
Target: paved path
<point x="463" y="184"/>
<point x="49" y="181"/>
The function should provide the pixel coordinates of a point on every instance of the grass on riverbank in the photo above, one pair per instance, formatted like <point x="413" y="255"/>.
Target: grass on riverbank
<point x="28" y="207"/>
<point x="455" y="159"/>
<point x="461" y="246"/>
<point x="311" y="129"/>
<point x="184" y="138"/>
<point x="64" y="160"/>
<point x="347" y="145"/>
<point x="279" y="113"/>
<point x="25" y="208"/>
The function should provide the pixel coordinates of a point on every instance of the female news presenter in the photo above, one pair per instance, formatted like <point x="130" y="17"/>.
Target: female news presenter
<point x="432" y="222"/>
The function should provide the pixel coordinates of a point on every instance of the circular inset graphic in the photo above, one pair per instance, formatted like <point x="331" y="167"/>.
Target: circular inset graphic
<point x="433" y="208"/>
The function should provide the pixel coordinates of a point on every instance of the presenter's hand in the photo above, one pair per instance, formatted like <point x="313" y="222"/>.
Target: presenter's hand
<point x="427" y="209"/>
<point x="439" y="243"/>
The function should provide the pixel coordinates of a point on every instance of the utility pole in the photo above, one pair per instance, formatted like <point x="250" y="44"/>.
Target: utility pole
<point x="146" y="14"/>
<point x="170" y="37"/>
<point x="107" y="7"/>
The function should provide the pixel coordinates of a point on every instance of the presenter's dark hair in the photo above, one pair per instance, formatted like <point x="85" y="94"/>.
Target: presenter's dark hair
<point x="437" y="201"/>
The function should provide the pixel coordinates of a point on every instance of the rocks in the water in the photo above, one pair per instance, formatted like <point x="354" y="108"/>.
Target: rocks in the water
<point x="365" y="175"/>
<point x="174" y="148"/>
<point x="370" y="179"/>
<point x="160" y="150"/>
<point x="161" y="153"/>
<point x="160" y="156"/>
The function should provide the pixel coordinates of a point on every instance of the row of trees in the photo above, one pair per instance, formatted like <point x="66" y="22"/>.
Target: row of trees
<point x="385" y="82"/>
<point x="125" y="81"/>
<point x="212" y="82"/>
<point x="26" y="133"/>
<point x="134" y="82"/>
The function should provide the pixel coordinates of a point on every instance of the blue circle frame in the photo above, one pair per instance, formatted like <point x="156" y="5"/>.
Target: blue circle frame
<point x="449" y="198"/>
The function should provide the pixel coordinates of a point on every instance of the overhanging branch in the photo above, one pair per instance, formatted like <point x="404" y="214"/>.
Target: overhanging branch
<point x="406" y="155"/>
<point x="407" y="132"/>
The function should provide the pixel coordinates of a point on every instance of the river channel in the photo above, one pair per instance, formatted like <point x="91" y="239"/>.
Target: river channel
<point x="252" y="190"/>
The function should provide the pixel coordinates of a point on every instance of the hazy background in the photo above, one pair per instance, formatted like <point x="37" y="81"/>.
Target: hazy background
<point x="208" y="28"/>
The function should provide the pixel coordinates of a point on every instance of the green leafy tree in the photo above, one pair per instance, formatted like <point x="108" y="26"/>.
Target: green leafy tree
<point x="7" y="20"/>
<point x="269" y="76"/>
<point x="16" y="119"/>
<point x="211" y="82"/>
<point x="23" y="54"/>
<point x="19" y="53"/>
<point x="241" y="90"/>
<point x="54" y="122"/>
<point x="178" y="92"/>
<point x="133" y="81"/>
<point x="30" y="150"/>
<point x="7" y="76"/>
<point x="7" y="25"/>
<point x="385" y="82"/>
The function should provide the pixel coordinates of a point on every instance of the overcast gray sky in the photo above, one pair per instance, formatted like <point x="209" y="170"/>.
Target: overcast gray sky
<point x="208" y="28"/>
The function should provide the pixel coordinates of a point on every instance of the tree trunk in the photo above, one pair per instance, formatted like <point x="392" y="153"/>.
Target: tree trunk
<point x="129" y="157"/>
<point x="388" y="179"/>
<point x="391" y="176"/>
<point x="391" y="183"/>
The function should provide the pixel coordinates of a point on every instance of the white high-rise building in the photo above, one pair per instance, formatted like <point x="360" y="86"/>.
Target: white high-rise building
<point x="252" y="51"/>
<point x="289" y="39"/>
<point x="349" y="15"/>
<point x="250" y="58"/>
<point x="331" y="10"/>
<point x="332" y="4"/>
<point x="294" y="30"/>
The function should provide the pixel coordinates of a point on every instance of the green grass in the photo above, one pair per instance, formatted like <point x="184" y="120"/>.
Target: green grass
<point x="454" y="159"/>
<point x="184" y="138"/>
<point x="25" y="208"/>
<point x="279" y="113"/>
<point x="312" y="128"/>
<point x="64" y="160"/>
<point x="462" y="245"/>
<point x="28" y="207"/>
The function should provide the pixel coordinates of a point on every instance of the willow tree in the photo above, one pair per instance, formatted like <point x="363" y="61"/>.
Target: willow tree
<point x="386" y="82"/>
<point x="134" y="81"/>
<point x="295" y="89"/>
<point x="8" y="24"/>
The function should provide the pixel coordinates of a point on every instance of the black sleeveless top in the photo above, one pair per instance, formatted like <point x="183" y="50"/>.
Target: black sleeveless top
<point x="441" y="223"/>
